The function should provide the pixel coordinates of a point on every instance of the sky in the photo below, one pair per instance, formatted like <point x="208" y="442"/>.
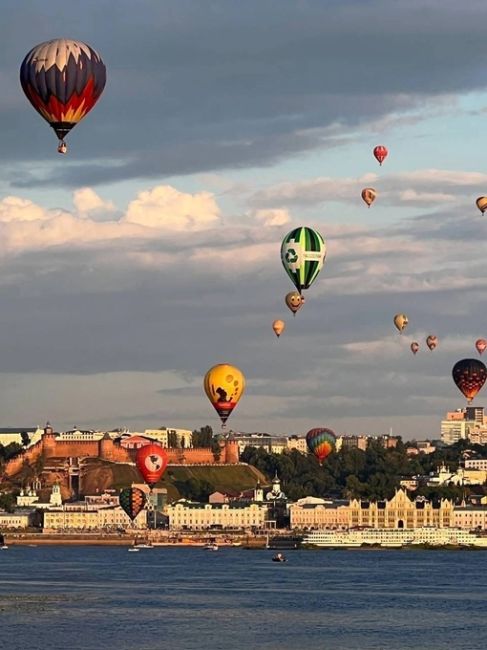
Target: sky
<point x="151" y="251"/>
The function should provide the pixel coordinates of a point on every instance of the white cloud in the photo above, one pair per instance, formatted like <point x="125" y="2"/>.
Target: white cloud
<point x="165" y="207"/>
<point x="275" y="217"/>
<point x="14" y="208"/>
<point x="88" y="203"/>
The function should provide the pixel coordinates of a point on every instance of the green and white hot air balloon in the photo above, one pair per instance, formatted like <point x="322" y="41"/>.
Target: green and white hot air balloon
<point x="303" y="253"/>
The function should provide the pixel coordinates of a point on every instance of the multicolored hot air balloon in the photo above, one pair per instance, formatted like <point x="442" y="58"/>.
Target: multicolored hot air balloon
<point x="278" y="326"/>
<point x="321" y="442"/>
<point x="224" y="386"/>
<point x="63" y="80"/>
<point x="469" y="375"/>
<point x="432" y="341"/>
<point x="151" y="462"/>
<point x="303" y="253"/>
<point x="132" y="501"/>
<point x="294" y="300"/>
<point x="481" y="345"/>
<point x="414" y="347"/>
<point x="482" y="203"/>
<point x="380" y="153"/>
<point x="401" y="321"/>
<point x="369" y="195"/>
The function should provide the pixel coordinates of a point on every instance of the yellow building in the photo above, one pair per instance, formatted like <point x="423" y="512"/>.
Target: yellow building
<point x="184" y="515"/>
<point x="83" y="519"/>
<point x="399" y="512"/>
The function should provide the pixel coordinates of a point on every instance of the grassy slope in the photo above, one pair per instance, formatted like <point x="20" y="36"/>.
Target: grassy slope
<point x="100" y="475"/>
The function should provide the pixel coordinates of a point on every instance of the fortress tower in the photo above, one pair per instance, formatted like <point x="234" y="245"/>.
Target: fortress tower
<point x="48" y="441"/>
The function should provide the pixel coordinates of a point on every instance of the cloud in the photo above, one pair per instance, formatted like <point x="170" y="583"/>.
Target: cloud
<point x="273" y="217"/>
<point x="88" y="203"/>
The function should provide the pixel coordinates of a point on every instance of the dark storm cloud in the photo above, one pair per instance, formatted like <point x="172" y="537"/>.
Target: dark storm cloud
<point x="197" y="86"/>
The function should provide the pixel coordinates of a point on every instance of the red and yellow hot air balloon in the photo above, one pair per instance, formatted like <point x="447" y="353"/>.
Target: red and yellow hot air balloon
<point x="278" y="326"/>
<point x="321" y="442"/>
<point x="380" y="153"/>
<point x="151" y="462"/>
<point x="432" y="341"/>
<point x="294" y="300"/>
<point x="481" y="345"/>
<point x="469" y="375"/>
<point x="63" y="79"/>
<point x="224" y="385"/>
<point x="414" y="347"/>
<point x="369" y="195"/>
<point x="481" y="203"/>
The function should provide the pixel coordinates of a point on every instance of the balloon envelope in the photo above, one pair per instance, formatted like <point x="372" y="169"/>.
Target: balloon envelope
<point x="369" y="195"/>
<point x="469" y="375"/>
<point x="294" y="300"/>
<point x="132" y="501"/>
<point x="414" y="347"/>
<point x="321" y="442"/>
<point x="401" y="321"/>
<point x="63" y="80"/>
<point x="432" y="341"/>
<point x="303" y="253"/>
<point x="224" y="386"/>
<point x="278" y="326"/>
<point x="481" y="345"/>
<point x="151" y="462"/>
<point x="482" y="203"/>
<point x="380" y="153"/>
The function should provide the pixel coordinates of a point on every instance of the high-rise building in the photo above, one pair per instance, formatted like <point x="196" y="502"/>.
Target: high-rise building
<point x="475" y="413"/>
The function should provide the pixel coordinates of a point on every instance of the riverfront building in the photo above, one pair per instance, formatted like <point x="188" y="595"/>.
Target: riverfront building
<point x="186" y="515"/>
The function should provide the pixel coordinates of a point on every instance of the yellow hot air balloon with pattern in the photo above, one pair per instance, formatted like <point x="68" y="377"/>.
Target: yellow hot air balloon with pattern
<point x="278" y="326"/>
<point x="401" y="321"/>
<point x="482" y="203"/>
<point x="224" y="386"/>
<point x="369" y="195"/>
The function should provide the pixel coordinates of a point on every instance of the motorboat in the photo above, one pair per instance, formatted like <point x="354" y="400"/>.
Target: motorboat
<point x="211" y="547"/>
<point x="279" y="557"/>
<point x="134" y="549"/>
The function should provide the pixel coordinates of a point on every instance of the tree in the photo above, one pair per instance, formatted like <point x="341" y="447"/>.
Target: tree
<point x="25" y="438"/>
<point x="202" y="438"/>
<point x="172" y="440"/>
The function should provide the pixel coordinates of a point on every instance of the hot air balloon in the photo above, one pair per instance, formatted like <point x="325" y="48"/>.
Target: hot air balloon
<point x="294" y="300"/>
<point x="401" y="321"/>
<point x="414" y="347"/>
<point x="224" y="386"/>
<point x="303" y="253"/>
<point x="132" y="501"/>
<point x="380" y="153"/>
<point x="151" y="462"/>
<point x="278" y="326"/>
<point x="482" y="203"/>
<point x="369" y="195"/>
<point x="481" y="345"/>
<point x="469" y="375"/>
<point x="63" y="80"/>
<point x="432" y="341"/>
<point x="321" y="442"/>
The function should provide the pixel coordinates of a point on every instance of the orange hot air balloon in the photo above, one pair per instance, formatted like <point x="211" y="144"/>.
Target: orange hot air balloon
<point x="481" y="345"/>
<point x="151" y="462"/>
<point x="432" y="341"/>
<point x="380" y="153"/>
<point x="294" y="300"/>
<point x="401" y="321"/>
<point x="224" y="386"/>
<point x="481" y="203"/>
<point x="469" y="375"/>
<point x="369" y="195"/>
<point x="414" y="347"/>
<point x="278" y="326"/>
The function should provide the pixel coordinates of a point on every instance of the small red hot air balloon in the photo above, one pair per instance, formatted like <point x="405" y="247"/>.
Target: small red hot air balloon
<point x="414" y="347"/>
<point x="151" y="462"/>
<point x="469" y="375"/>
<point x="380" y="153"/>
<point x="432" y="341"/>
<point x="481" y="345"/>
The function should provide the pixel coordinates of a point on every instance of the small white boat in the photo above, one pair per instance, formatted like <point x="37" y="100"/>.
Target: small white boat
<point x="4" y="548"/>
<point x="134" y="549"/>
<point x="211" y="547"/>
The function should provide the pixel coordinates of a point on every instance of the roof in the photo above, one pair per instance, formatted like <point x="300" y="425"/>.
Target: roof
<point x="18" y="429"/>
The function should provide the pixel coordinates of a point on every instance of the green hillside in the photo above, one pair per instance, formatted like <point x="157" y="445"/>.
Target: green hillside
<point x="100" y="475"/>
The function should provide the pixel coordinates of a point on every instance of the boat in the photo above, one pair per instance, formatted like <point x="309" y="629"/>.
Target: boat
<point x="211" y="547"/>
<point x="3" y="545"/>
<point x="134" y="549"/>
<point x="139" y="546"/>
<point x="279" y="557"/>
